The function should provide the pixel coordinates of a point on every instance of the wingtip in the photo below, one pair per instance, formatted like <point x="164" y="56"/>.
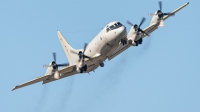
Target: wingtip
<point x="14" y="88"/>
<point x="188" y="3"/>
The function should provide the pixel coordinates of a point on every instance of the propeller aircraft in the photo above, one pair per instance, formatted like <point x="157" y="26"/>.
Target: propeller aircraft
<point x="110" y="42"/>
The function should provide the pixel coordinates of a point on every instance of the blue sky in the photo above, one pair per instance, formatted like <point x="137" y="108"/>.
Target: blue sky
<point x="162" y="74"/>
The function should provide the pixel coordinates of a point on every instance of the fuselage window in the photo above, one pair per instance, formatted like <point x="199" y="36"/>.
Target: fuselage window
<point x="112" y="27"/>
<point x="108" y="29"/>
<point x="119" y="24"/>
<point x="115" y="26"/>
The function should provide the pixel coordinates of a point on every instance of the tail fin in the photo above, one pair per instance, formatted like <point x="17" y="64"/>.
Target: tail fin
<point x="72" y="58"/>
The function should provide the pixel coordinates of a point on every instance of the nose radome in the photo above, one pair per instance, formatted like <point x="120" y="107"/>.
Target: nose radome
<point x="122" y="29"/>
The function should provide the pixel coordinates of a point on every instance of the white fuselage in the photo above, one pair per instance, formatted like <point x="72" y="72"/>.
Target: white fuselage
<point x="105" y="42"/>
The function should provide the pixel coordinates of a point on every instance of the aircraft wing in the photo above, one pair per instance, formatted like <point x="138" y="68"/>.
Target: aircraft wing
<point x="122" y="48"/>
<point x="153" y="27"/>
<point x="38" y="79"/>
<point x="175" y="11"/>
<point x="64" y="72"/>
<point x="148" y="30"/>
<point x="119" y="50"/>
<point x="67" y="71"/>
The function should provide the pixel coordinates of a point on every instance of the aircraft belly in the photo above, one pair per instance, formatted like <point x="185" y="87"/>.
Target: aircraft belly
<point x="105" y="49"/>
<point x="92" y="66"/>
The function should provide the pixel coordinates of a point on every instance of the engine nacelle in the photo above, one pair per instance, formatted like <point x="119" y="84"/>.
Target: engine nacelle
<point x="81" y="70"/>
<point x="57" y="75"/>
<point x="81" y="67"/>
<point x="132" y="42"/>
<point x="132" y="36"/>
<point x="78" y="70"/>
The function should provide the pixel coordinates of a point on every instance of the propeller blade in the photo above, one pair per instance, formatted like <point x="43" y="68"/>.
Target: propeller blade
<point x="85" y="46"/>
<point x="64" y="64"/>
<point x="54" y="56"/>
<point x="160" y="5"/>
<point x="166" y="13"/>
<point x="146" y="33"/>
<point x="142" y="21"/>
<point x="151" y="14"/>
<point x="46" y="66"/>
<point x="171" y="14"/>
<point x="128" y="22"/>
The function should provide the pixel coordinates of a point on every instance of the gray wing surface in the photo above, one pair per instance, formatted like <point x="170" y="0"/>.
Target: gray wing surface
<point x="72" y="70"/>
<point x="122" y="48"/>
<point x="38" y="79"/>
<point x="119" y="50"/>
<point x="67" y="71"/>
<point x="175" y="11"/>
<point x="64" y="72"/>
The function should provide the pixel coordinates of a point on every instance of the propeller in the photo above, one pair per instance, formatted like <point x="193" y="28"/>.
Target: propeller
<point x="161" y="14"/>
<point x="81" y="53"/>
<point x="54" y="64"/>
<point x="137" y="28"/>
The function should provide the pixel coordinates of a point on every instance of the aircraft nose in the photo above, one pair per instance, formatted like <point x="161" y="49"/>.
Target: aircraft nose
<point x="123" y="29"/>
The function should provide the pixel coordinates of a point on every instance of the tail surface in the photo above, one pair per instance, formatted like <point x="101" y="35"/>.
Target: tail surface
<point x="72" y="57"/>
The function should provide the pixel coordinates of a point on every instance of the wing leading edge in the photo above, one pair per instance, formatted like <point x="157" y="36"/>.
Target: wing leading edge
<point x="38" y="79"/>
<point x="175" y="11"/>
<point x="148" y="30"/>
<point x="67" y="71"/>
<point x="64" y="72"/>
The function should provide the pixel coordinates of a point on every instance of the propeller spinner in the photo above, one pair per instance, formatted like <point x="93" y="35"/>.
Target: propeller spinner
<point x="161" y="14"/>
<point x="81" y="54"/>
<point x="54" y="64"/>
<point x="137" y="28"/>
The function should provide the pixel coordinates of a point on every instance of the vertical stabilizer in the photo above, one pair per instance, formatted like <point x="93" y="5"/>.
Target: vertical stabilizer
<point x="72" y="57"/>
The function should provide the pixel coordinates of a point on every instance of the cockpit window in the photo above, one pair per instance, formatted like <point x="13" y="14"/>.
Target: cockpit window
<point x="108" y="29"/>
<point x="119" y="24"/>
<point x="112" y="27"/>
<point x="115" y="26"/>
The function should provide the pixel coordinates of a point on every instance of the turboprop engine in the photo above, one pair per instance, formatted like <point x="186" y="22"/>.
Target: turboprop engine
<point x="158" y="17"/>
<point x="135" y="32"/>
<point x="81" y="66"/>
<point x="57" y="75"/>
<point x="52" y="68"/>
